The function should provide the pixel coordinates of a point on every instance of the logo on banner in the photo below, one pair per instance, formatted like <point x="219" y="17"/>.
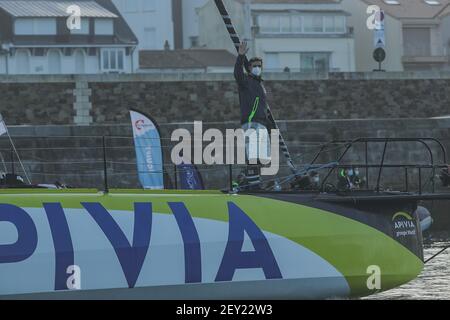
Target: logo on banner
<point x="139" y="124"/>
<point x="142" y="126"/>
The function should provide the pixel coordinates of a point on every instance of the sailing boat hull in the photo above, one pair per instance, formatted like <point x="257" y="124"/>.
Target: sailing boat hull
<point x="202" y="245"/>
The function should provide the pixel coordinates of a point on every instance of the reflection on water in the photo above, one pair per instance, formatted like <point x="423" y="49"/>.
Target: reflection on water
<point x="433" y="283"/>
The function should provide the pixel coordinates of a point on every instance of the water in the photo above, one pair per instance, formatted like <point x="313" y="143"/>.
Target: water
<point x="432" y="284"/>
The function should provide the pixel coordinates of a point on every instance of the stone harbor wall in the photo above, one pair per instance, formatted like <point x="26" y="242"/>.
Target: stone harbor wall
<point x="58" y="121"/>
<point x="37" y="103"/>
<point x="106" y="99"/>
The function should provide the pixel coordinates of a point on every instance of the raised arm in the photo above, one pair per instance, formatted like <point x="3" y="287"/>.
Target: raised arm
<point x="239" y="67"/>
<point x="239" y="74"/>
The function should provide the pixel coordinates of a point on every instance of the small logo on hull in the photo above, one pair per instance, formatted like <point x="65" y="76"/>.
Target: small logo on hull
<point x="404" y="225"/>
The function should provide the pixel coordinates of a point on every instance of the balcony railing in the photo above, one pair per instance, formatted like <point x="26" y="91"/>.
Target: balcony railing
<point x="425" y="54"/>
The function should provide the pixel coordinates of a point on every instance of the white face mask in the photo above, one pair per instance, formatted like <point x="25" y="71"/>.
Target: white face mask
<point x="256" y="71"/>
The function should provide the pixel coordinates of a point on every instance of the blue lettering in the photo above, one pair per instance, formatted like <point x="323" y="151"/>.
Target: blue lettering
<point x="27" y="240"/>
<point x="62" y="241"/>
<point x="131" y="257"/>
<point x="234" y="258"/>
<point x="192" y="251"/>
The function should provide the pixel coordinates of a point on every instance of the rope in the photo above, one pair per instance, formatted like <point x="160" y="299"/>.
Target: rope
<point x="437" y="254"/>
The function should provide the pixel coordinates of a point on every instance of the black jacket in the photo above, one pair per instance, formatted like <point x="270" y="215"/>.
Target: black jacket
<point x="252" y="95"/>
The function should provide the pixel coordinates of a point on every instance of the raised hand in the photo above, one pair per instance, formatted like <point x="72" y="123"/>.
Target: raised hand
<point x="243" y="48"/>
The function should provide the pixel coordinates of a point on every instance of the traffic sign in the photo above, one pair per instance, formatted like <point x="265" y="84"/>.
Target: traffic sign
<point x="379" y="55"/>
<point x="379" y="31"/>
<point x="379" y="39"/>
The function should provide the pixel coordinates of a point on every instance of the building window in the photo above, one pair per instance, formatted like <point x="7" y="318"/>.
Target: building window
<point x="340" y="24"/>
<point x="296" y="24"/>
<point x="272" y="61"/>
<point x="417" y="41"/>
<point x="120" y="60"/>
<point x="285" y="23"/>
<point x="270" y="24"/>
<point x="105" y="60"/>
<point x="302" y="23"/>
<point x="297" y="61"/>
<point x="334" y="24"/>
<point x="24" y="27"/>
<point x="194" y="41"/>
<point x="313" y="24"/>
<point x="112" y="60"/>
<point x="35" y="26"/>
<point x="315" y="61"/>
<point x="104" y="27"/>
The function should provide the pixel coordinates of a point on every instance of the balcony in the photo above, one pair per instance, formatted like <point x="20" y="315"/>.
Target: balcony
<point x="423" y="54"/>
<point x="426" y="59"/>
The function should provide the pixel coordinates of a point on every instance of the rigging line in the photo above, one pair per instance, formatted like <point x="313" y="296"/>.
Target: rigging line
<point x="307" y="170"/>
<point x="343" y="146"/>
<point x="265" y="181"/>
<point x="3" y="161"/>
<point x="287" y="178"/>
<point x="437" y="254"/>
<point x="17" y="154"/>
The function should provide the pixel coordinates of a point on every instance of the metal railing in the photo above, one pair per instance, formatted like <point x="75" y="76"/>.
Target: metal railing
<point x="425" y="142"/>
<point x="108" y="161"/>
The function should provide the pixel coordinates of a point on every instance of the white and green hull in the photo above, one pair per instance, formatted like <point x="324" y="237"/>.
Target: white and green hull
<point x="200" y="245"/>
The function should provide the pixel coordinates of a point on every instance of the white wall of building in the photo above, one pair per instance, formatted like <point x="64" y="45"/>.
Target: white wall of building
<point x="55" y="62"/>
<point x="445" y="38"/>
<point x="3" y="59"/>
<point x="364" y="39"/>
<point x="281" y="50"/>
<point x="151" y="22"/>
<point x="212" y="33"/>
<point x="279" y="53"/>
<point x="191" y="20"/>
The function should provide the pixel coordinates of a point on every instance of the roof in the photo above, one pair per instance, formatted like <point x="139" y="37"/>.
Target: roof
<point x="325" y="11"/>
<point x="123" y="31"/>
<point x="185" y="59"/>
<point x="53" y="8"/>
<point x="123" y="35"/>
<point x="292" y="1"/>
<point x="413" y="9"/>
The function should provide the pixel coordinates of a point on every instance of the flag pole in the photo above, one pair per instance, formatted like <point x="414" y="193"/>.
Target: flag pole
<point x="2" y="122"/>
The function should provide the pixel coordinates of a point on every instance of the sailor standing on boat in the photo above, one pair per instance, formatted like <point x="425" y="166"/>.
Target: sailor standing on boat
<point x="252" y="98"/>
